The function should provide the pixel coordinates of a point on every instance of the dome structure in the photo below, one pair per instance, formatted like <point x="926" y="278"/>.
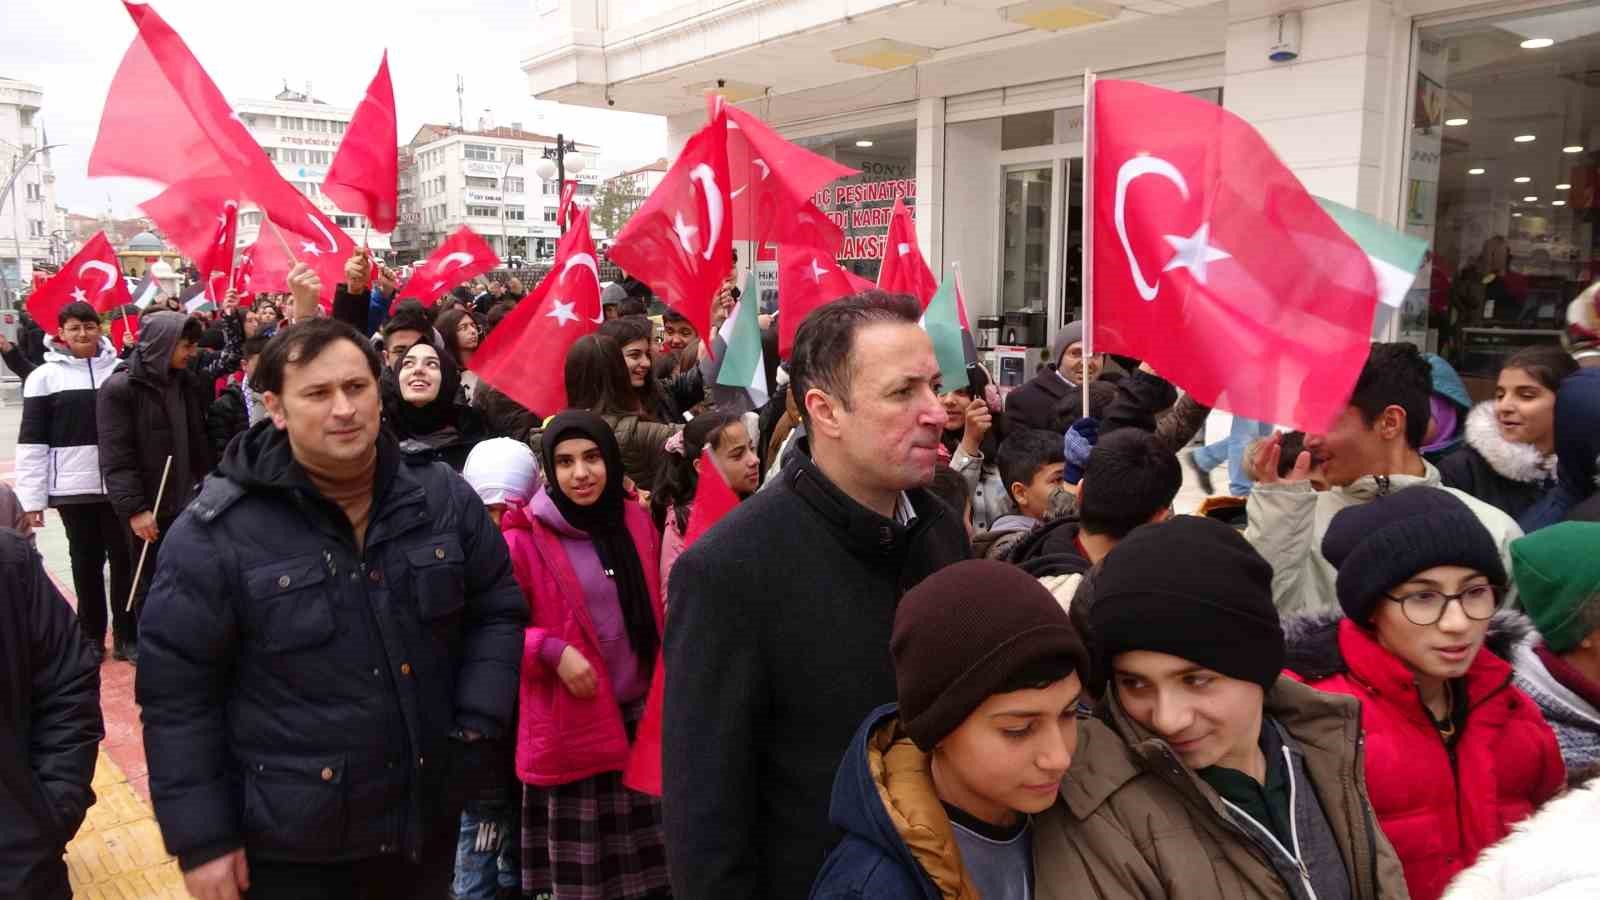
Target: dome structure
<point x="146" y="241"/>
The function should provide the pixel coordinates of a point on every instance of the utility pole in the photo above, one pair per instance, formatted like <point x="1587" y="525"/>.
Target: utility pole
<point x="461" y="103"/>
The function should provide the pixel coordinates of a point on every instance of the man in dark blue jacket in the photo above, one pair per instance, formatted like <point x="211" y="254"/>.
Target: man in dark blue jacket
<point x="50" y="726"/>
<point x="330" y="649"/>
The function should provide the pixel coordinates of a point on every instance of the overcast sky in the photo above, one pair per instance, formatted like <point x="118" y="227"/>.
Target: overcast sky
<point x="71" y="48"/>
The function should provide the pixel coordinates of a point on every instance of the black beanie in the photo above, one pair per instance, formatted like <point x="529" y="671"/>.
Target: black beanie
<point x="1193" y="588"/>
<point x="1382" y="543"/>
<point x="970" y="631"/>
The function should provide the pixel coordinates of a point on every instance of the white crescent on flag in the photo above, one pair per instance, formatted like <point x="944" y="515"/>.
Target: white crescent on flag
<point x="703" y="174"/>
<point x="582" y="259"/>
<point x="99" y="266"/>
<point x="455" y="261"/>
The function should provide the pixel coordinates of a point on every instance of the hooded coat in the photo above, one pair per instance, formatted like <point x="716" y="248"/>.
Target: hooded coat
<point x="1134" y="823"/>
<point x="898" y="841"/>
<point x="50" y="726"/>
<point x="778" y="626"/>
<point x="1577" y="446"/>
<point x="1505" y="474"/>
<point x="299" y="690"/>
<point x="1440" y="806"/>
<point x="1287" y="522"/>
<point x="58" y="445"/>
<point x="146" y="412"/>
<point x="1449" y="386"/>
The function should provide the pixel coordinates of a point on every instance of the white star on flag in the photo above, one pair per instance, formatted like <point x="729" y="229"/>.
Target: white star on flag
<point x="1194" y="253"/>
<point x="79" y="295"/>
<point x="563" y="313"/>
<point x="685" y="232"/>
<point x="308" y="247"/>
<point x="817" y="271"/>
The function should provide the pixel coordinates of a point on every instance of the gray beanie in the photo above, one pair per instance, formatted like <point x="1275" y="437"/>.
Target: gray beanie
<point x="1070" y="333"/>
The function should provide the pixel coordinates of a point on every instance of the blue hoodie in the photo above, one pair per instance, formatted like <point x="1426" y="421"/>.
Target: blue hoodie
<point x="874" y="861"/>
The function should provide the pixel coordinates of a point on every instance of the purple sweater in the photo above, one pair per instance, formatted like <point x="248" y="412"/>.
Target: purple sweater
<point x="605" y="609"/>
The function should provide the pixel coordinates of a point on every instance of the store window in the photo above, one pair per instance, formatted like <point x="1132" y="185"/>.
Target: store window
<point x="1502" y="179"/>
<point x="861" y="204"/>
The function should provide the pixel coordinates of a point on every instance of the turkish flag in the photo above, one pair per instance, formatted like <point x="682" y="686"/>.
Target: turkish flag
<point x="365" y="176"/>
<point x="91" y="276"/>
<point x="124" y="328"/>
<point x="201" y="216"/>
<point x="569" y="189"/>
<point x="525" y="356"/>
<point x="680" y="242"/>
<point x="772" y="180"/>
<point x="161" y="89"/>
<point x="808" y="279"/>
<point x="263" y="268"/>
<point x="1213" y="263"/>
<point x="904" y="271"/>
<point x="462" y="256"/>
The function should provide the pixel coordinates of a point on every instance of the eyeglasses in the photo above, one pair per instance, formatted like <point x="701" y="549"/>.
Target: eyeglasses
<point x="1478" y="603"/>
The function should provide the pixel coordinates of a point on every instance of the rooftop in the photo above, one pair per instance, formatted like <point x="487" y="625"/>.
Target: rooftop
<point x="430" y="132"/>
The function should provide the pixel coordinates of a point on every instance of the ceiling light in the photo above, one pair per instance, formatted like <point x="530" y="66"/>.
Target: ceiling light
<point x="1573" y="148"/>
<point x="1516" y="215"/>
<point x="863" y="143"/>
<point x="882" y="53"/>
<point x="1522" y="179"/>
<point x="1456" y="122"/>
<point x="1524" y="138"/>
<point x="1563" y="187"/>
<point x="1530" y="199"/>
<point x="1475" y="171"/>
<point x="732" y="91"/>
<point x="1537" y="43"/>
<point x="1059" y="15"/>
<point x="1558" y="203"/>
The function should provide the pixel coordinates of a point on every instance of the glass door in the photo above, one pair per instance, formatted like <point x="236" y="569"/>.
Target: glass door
<point x="1030" y="199"/>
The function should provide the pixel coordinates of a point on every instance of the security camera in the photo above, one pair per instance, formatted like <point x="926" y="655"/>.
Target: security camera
<point x="1285" y="37"/>
<point x="722" y="82"/>
<point x="610" y="102"/>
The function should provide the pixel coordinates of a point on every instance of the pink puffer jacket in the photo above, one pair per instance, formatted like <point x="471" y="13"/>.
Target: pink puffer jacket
<point x="561" y="739"/>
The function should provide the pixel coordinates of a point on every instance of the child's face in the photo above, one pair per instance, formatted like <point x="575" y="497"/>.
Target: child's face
<point x="1011" y="753"/>
<point x="1034" y="497"/>
<point x="1446" y="647"/>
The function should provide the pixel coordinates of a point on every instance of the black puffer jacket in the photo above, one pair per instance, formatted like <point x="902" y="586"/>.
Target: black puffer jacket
<point x="50" y="726"/>
<point x="1507" y="475"/>
<point x="298" y="692"/>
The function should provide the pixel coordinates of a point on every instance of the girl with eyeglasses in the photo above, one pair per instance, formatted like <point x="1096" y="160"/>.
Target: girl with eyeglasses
<point x="1455" y="754"/>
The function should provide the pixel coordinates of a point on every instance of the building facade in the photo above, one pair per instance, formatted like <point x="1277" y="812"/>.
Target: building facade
<point x="31" y="229"/>
<point x="1475" y="125"/>
<point x="486" y="179"/>
<point x="301" y="134"/>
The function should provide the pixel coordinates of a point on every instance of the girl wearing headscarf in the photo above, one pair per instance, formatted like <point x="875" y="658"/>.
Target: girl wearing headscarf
<point x="419" y="404"/>
<point x="672" y="498"/>
<point x="585" y="553"/>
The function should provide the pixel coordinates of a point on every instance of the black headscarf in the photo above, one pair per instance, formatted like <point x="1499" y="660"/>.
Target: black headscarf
<point x="606" y="524"/>
<point x="977" y="384"/>
<point x="437" y="414"/>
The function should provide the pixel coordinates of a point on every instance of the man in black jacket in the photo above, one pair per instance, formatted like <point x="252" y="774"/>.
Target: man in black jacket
<point x="234" y="409"/>
<point x="50" y="726"/>
<point x="150" y="411"/>
<point x="330" y="651"/>
<point x="1053" y="400"/>
<point x="777" y="645"/>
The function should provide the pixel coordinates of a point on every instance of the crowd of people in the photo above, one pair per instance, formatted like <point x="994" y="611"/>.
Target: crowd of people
<point x="398" y="636"/>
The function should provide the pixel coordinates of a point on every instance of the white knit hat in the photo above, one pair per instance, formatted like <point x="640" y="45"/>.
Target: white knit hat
<point x="501" y="470"/>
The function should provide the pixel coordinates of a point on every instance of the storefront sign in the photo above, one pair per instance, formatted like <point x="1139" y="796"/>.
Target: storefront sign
<point x="483" y="196"/>
<point x="482" y="169"/>
<point x="308" y="141"/>
<point x="862" y="209"/>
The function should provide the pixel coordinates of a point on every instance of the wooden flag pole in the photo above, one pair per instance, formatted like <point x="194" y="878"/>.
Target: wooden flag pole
<point x="139" y="572"/>
<point x="1086" y="284"/>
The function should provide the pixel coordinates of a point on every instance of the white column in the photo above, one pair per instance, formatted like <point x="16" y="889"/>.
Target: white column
<point x="930" y="182"/>
<point x="1325" y="112"/>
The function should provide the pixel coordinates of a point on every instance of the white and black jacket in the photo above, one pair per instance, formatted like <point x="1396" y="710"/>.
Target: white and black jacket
<point x="58" y="452"/>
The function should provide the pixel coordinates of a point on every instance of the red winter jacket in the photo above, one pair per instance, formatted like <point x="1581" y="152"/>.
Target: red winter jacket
<point x="1440" y="812"/>
<point x="561" y="739"/>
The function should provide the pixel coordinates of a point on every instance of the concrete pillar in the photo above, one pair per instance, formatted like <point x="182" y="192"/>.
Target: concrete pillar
<point x="1324" y="112"/>
<point x="930" y="182"/>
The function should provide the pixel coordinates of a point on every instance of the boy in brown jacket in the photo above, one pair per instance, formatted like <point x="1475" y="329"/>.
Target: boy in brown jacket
<point x="1205" y="773"/>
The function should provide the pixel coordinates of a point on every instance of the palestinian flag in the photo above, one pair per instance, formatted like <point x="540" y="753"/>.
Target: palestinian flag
<point x="742" y="365"/>
<point x="942" y="321"/>
<point x="194" y="299"/>
<point x="147" y="291"/>
<point x="1395" y="256"/>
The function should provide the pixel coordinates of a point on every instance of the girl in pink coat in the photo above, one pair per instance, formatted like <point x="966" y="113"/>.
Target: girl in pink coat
<point x="586" y="555"/>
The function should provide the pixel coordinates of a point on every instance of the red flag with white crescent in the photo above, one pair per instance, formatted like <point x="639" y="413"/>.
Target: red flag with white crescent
<point x="91" y="276"/>
<point x="460" y="258"/>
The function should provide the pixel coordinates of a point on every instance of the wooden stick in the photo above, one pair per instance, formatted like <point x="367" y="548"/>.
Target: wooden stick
<point x="283" y="242"/>
<point x="139" y="572"/>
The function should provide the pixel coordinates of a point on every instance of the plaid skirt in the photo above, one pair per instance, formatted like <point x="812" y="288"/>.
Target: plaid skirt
<point x="593" y="839"/>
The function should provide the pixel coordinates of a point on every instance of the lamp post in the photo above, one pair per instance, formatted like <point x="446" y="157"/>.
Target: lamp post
<point x="555" y="163"/>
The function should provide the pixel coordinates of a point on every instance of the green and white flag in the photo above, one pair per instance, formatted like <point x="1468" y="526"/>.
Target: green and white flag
<point x="1395" y="256"/>
<point x="194" y="299"/>
<point x="942" y="321"/>
<point x="146" y="291"/>
<point x="742" y="365"/>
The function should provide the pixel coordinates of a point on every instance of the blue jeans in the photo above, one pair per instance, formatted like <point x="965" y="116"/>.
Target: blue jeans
<point x="482" y="867"/>
<point x="1233" y="448"/>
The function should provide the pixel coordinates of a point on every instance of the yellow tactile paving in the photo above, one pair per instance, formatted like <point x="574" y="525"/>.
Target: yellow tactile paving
<point x="117" y="854"/>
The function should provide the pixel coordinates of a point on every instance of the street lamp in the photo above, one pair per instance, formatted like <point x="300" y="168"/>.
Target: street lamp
<point x="555" y="164"/>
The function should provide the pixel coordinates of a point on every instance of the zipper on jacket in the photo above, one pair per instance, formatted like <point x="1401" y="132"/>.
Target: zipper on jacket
<point x="1294" y="825"/>
<point x="327" y="559"/>
<point x="1274" y="838"/>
